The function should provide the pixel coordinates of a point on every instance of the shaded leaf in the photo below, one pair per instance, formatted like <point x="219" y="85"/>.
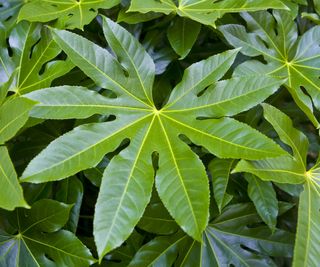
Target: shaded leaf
<point x="11" y="195"/>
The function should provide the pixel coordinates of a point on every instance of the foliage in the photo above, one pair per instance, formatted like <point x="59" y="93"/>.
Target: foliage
<point x="132" y="134"/>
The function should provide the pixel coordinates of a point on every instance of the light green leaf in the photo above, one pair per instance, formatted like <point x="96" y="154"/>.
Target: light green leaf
<point x="72" y="102"/>
<point x="287" y="133"/>
<point x="13" y="115"/>
<point x="200" y="75"/>
<point x="182" y="35"/>
<point x="69" y="13"/>
<point x="166" y="6"/>
<point x="275" y="37"/>
<point x="228" y="97"/>
<point x="28" y="68"/>
<point x="206" y="11"/>
<point x="220" y="171"/>
<point x="308" y="230"/>
<point x="99" y="65"/>
<point x="181" y="176"/>
<point x="264" y="198"/>
<point x="132" y="56"/>
<point x="282" y="169"/>
<point x="118" y="207"/>
<point x="11" y="195"/>
<point x="64" y="157"/>
<point x="144" y="129"/>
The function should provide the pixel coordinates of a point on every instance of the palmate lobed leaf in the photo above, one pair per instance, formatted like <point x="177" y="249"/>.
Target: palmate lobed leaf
<point x="293" y="170"/>
<point x="275" y="37"/>
<point x="228" y="239"/>
<point x="32" y="64"/>
<point x="127" y="182"/>
<point x="39" y="240"/>
<point x="69" y="14"/>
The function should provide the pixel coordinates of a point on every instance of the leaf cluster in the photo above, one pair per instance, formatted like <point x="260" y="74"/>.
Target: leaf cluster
<point x="159" y="133"/>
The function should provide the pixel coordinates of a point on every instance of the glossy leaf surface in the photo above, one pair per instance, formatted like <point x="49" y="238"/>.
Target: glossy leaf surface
<point x="50" y="246"/>
<point x="275" y="38"/>
<point x="148" y="128"/>
<point x="69" y="13"/>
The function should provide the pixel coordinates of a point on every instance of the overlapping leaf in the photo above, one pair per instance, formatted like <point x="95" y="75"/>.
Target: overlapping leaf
<point x="39" y="240"/>
<point x="293" y="170"/>
<point x="11" y="192"/>
<point x="32" y="64"/>
<point x="68" y="13"/>
<point x="207" y="11"/>
<point x="220" y="171"/>
<point x="229" y="239"/>
<point x="275" y="37"/>
<point x="181" y="175"/>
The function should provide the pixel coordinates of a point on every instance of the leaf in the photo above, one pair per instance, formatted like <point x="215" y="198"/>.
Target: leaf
<point x="13" y="115"/>
<point x="317" y="6"/>
<point x="39" y="241"/>
<point x="227" y="240"/>
<point x="264" y="198"/>
<point x="11" y="195"/>
<point x="70" y="191"/>
<point x="182" y="35"/>
<point x="220" y="171"/>
<point x="32" y="65"/>
<point x="275" y="37"/>
<point x="69" y="13"/>
<point x="307" y="237"/>
<point x="229" y="234"/>
<point x="156" y="219"/>
<point x="306" y="245"/>
<point x="161" y="251"/>
<point x="70" y="102"/>
<point x="9" y="8"/>
<point x="205" y="12"/>
<point x="129" y="74"/>
<point x="283" y="169"/>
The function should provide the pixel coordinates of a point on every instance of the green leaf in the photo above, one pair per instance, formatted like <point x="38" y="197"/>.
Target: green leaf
<point x="161" y="251"/>
<point x="264" y="198"/>
<point x="156" y="219"/>
<point x="275" y="37"/>
<point x="206" y="11"/>
<point x="39" y="240"/>
<point x="70" y="191"/>
<point x="69" y="13"/>
<point x="129" y="176"/>
<point x="11" y="195"/>
<point x="182" y="35"/>
<point x="114" y="221"/>
<point x="227" y="240"/>
<point x="65" y="102"/>
<point x="308" y="230"/>
<point x="133" y="58"/>
<point x="283" y="169"/>
<point x="317" y="6"/>
<point x="13" y="115"/>
<point x="32" y="64"/>
<point x="220" y="171"/>
<point x="226" y="237"/>
<point x="9" y="8"/>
